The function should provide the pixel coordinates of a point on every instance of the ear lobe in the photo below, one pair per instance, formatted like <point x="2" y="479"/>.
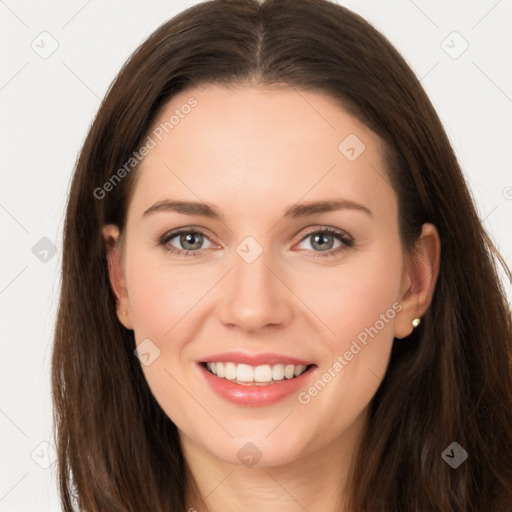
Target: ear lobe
<point x="419" y="280"/>
<point x="111" y="236"/>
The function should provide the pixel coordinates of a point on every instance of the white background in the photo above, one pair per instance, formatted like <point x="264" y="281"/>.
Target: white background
<point x="48" y="105"/>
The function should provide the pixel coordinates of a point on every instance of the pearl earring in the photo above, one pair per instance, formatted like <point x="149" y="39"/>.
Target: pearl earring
<point x="416" y="322"/>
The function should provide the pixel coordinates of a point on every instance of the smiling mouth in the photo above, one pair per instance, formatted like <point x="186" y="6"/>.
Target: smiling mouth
<point x="262" y="375"/>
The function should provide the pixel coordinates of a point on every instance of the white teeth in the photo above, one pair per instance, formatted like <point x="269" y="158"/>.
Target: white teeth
<point x="278" y="372"/>
<point x="230" y="371"/>
<point x="244" y="373"/>
<point x="289" y="371"/>
<point x="263" y="374"/>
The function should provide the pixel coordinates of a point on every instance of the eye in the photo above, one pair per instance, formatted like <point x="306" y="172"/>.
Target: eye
<point x="186" y="242"/>
<point x="323" y="241"/>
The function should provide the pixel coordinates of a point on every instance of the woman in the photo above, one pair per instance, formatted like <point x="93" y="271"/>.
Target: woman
<point x="276" y="289"/>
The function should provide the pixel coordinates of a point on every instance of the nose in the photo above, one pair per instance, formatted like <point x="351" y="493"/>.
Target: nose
<point x="256" y="295"/>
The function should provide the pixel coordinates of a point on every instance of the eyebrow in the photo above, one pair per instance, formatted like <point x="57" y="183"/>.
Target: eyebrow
<point x="293" y="212"/>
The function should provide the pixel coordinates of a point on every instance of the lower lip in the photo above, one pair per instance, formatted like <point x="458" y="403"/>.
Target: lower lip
<point x="255" y="396"/>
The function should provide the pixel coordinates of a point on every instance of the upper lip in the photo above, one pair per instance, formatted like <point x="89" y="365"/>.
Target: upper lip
<point x="254" y="359"/>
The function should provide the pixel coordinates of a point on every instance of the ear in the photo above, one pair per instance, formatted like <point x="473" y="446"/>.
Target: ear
<point x="419" y="279"/>
<point x="115" y="268"/>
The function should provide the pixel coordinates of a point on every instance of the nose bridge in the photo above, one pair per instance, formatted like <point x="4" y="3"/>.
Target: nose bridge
<point x="252" y="266"/>
<point x="255" y="297"/>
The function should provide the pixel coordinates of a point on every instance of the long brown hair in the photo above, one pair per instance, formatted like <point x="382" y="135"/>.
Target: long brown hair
<point x="451" y="380"/>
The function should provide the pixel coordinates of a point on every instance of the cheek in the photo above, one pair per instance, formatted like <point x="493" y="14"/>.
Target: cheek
<point x="355" y="296"/>
<point x="160" y="296"/>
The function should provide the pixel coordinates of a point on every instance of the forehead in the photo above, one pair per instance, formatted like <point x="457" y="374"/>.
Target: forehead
<point x="249" y="144"/>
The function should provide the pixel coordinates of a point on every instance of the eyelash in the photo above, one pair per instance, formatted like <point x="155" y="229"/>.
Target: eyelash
<point x="346" y="242"/>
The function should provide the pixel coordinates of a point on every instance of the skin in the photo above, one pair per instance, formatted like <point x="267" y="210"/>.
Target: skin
<point x="253" y="152"/>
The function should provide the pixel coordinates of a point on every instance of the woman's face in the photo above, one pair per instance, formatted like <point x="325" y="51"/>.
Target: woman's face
<point x="259" y="285"/>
